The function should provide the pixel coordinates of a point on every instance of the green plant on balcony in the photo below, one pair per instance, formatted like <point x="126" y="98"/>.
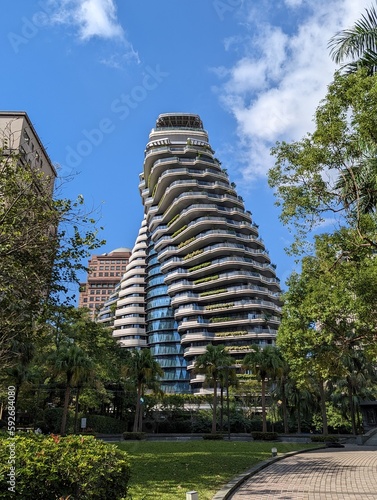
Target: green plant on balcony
<point x="231" y="334"/>
<point x="238" y="348"/>
<point x="221" y="319"/>
<point x="176" y="233"/>
<point x="173" y="220"/>
<point x="192" y="254"/>
<point x="213" y="292"/>
<point x="186" y="242"/>
<point x="206" y="279"/>
<point x="199" y="266"/>
<point x="219" y="306"/>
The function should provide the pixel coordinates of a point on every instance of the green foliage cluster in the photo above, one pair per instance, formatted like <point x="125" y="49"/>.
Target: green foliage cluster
<point x="173" y="220"/>
<point x="199" y="266"/>
<point x="179" y="231"/>
<point x="213" y="437"/>
<point x="137" y="436"/>
<point x="320" y="438"/>
<point x="186" y="242"/>
<point x="193" y="254"/>
<point x="206" y="279"/>
<point x="220" y="319"/>
<point x="50" y="467"/>
<point x="105" y="425"/>
<point x="212" y="292"/>
<point x="264" y="436"/>
<point x="219" y="306"/>
<point x="237" y="347"/>
<point x="236" y="333"/>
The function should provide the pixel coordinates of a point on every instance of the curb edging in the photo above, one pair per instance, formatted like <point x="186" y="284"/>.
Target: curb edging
<point x="235" y="483"/>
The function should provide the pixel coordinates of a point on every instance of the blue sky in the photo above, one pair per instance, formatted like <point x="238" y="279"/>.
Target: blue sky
<point x="93" y="75"/>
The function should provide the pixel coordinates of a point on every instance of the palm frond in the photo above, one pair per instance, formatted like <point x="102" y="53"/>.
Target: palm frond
<point x="355" y="42"/>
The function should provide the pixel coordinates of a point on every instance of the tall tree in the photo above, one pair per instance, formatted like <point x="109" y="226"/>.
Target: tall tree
<point x="358" y="43"/>
<point x="265" y="363"/>
<point x="74" y="364"/>
<point x="214" y="361"/>
<point x="330" y="173"/>
<point x="43" y="241"/>
<point x="143" y="371"/>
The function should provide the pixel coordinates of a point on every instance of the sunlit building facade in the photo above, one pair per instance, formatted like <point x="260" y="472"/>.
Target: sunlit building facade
<point x="199" y="272"/>
<point x="204" y="254"/>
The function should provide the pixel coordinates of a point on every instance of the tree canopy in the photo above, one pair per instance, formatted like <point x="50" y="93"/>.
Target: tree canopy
<point x="329" y="176"/>
<point x="43" y="241"/>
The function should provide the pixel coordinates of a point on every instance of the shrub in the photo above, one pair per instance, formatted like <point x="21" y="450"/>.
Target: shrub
<point x="264" y="436"/>
<point x="320" y="438"/>
<point x="51" y="467"/>
<point x="214" y="437"/>
<point x="134" y="435"/>
<point x="52" y="419"/>
<point x="201" y="422"/>
<point x="106" y="425"/>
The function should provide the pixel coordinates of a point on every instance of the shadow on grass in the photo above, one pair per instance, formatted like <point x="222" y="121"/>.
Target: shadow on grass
<point x="166" y="470"/>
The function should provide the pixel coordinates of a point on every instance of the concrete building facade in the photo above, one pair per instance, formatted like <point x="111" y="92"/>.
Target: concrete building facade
<point x="19" y="137"/>
<point x="105" y="272"/>
<point x="207" y="275"/>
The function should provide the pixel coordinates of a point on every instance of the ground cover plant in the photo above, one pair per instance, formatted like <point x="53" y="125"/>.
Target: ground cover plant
<point x="167" y="470"/>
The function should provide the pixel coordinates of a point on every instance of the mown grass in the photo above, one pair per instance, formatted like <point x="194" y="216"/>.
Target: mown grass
<point x="167" y="470"/>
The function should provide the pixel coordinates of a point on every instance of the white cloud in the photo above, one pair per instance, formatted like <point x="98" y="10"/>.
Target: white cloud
<point x="92" y="18"/>
<point x="273" y="89"/>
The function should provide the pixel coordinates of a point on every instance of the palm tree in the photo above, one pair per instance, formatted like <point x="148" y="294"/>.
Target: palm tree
<point x="357" y="185"/>
<point x="354" y="384"/>
<point x="265" y="364"/>
<point x="73" y="363"/>
<point x="212" y="363"/>
<point x="358" y="43"/>
<point x="300" y="402"/>
<point x="143" y="371"/>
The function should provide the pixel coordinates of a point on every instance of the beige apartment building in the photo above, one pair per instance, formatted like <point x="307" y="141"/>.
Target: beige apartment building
<point x="105" y="272"/>
<point x="18" y="136"/>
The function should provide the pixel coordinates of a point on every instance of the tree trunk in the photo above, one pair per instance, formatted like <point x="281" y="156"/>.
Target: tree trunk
<point x="65" y="409"/>
<point x="352" y="409"/>
<point x="221" y="406"/>
<point x="214" y="406"/>
<point x="76" y="410"/>
<point x="264" y="416"/>
<point x="137" y="410"/>
<point x="325" y="429"/>
<point x="298" y="417"/>
<point x="284" y="408"/>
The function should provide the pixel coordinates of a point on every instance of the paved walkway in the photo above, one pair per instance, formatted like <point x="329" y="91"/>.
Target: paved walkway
<point x="348" y="473"/>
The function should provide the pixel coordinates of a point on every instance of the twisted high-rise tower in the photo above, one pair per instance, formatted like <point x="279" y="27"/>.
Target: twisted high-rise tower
<point x="209" y="278"/>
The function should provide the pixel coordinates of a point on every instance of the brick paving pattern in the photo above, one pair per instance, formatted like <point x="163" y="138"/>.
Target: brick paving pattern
<point x="349" y="473"/>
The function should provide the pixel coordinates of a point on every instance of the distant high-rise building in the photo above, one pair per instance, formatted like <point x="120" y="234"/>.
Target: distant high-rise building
<point x="205" y="275"/>
<point x="105" y="272"/>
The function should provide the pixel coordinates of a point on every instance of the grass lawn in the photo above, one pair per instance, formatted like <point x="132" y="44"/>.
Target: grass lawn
<point x="167" y="470"/>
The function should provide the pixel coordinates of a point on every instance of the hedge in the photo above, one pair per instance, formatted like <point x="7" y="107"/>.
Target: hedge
<point x="264" y="436"/>
<point x="51" y="467"/>
<point x="134" y="435"/>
